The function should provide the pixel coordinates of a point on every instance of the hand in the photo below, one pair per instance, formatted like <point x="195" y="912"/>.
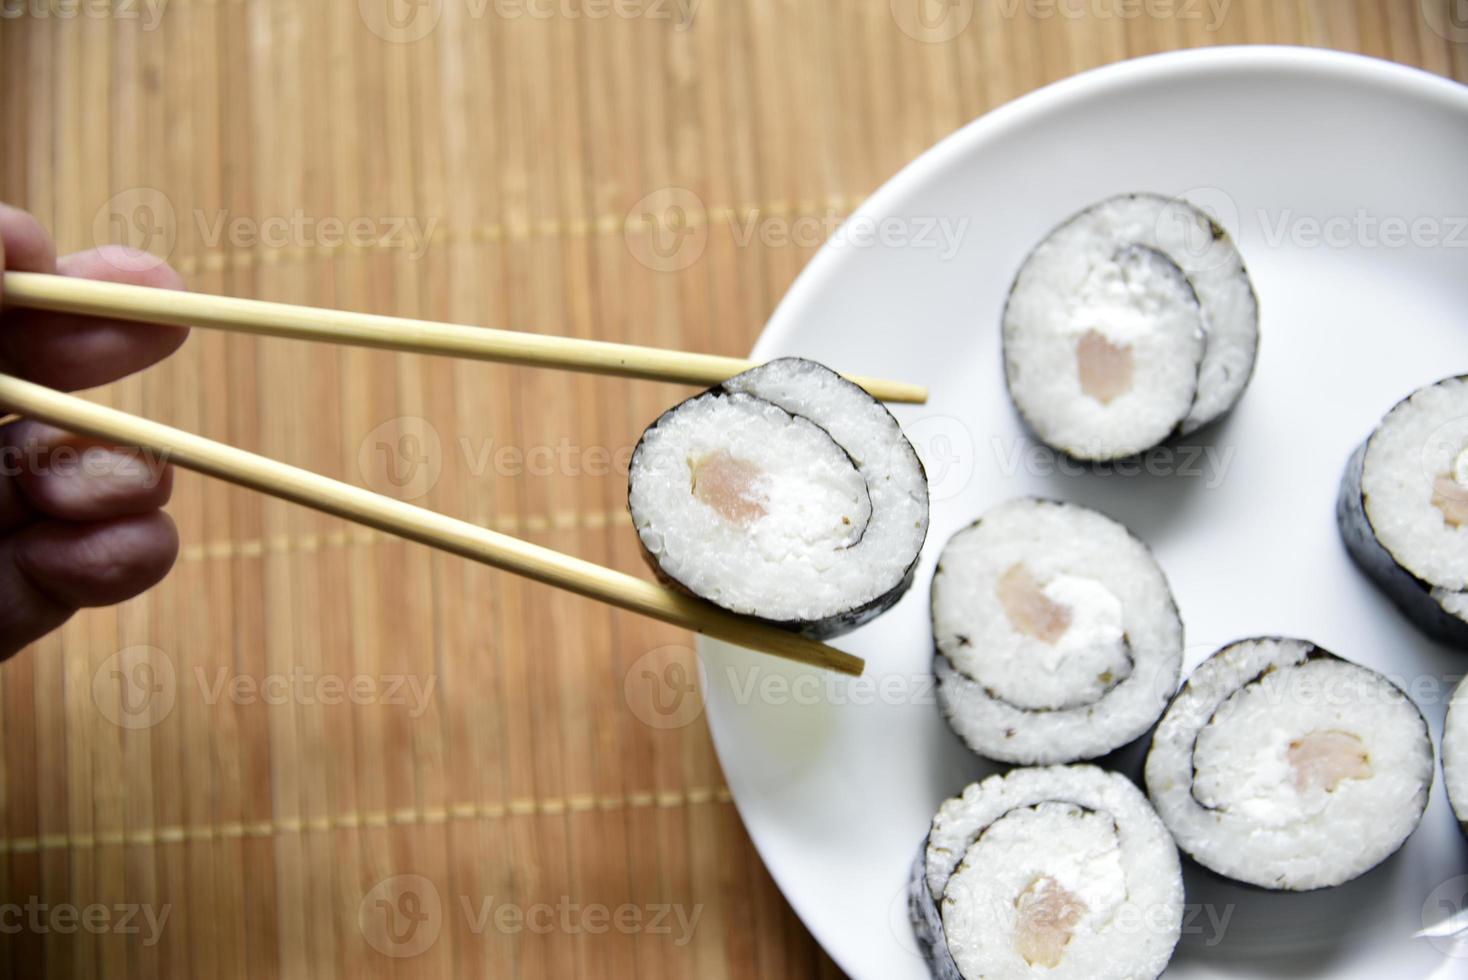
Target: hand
<point x="80" y="523"/>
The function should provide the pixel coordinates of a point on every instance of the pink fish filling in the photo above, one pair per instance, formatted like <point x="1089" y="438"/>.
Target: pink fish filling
<point x="1105" y="368"/>
<point x="730" y="486"/>
<point x="1029" y="609"/>
<point x="1328" y="758"/>
<point x="1047" y="917"/>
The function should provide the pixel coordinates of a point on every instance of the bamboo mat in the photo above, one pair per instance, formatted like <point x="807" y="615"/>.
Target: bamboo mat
<point x="315" y="750"/>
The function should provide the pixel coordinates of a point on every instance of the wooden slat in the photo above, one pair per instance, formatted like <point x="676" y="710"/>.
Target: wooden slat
<point x="519" y="146"/>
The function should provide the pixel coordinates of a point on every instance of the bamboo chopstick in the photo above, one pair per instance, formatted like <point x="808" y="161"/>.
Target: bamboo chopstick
<point x="63" y="294"/>
<point x="414" y="523"/>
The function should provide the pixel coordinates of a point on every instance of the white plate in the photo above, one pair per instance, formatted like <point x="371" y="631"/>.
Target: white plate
<point x="1297" y="152"/>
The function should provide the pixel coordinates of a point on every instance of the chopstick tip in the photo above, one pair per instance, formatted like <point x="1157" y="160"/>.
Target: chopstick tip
<point x="898" y="392"/>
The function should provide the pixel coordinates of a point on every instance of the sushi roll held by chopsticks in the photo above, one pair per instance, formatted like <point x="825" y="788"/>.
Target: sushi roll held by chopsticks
<point x="787" y="493"/>
<point x="855" y="420"/>
<point x="1132" y="322"/>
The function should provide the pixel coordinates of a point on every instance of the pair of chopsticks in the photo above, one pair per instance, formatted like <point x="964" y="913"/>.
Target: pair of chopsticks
<point x="142" y="304"/>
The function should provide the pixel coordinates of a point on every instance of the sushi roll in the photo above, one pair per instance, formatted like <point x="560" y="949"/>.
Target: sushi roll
<point x="786" y="493"/>
<point x="1062" y="872"/>
<point x="1403" y="508"/>
<point x="1455" y="754"/>
<point x="1056" y="633"/>
<point x="1285" y="767"/>
<point x="1132" y="322"/>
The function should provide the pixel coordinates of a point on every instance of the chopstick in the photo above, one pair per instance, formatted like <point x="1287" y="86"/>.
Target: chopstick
<point x="63" y="294"/>
<point x="413" y="523"/>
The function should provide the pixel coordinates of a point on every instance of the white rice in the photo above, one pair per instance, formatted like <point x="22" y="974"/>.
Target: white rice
<point x="1455" y="752"/>
<point x="1454" y="602"/>
<point x="1021" y="698"/>
<point x="1421" y="439"/>
<point x="1226" y="774"/>
<point x="839" y="498"/>
<point x="1076" y="834"/>
<point x="1152" y="276"/>
<point x="1215" y="269"/>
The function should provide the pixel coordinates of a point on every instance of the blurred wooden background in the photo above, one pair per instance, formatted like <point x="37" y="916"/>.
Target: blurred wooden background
<point x="321" y="753"/>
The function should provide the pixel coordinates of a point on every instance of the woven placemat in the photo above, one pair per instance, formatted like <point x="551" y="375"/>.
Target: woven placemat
<point x="317" y="752"/>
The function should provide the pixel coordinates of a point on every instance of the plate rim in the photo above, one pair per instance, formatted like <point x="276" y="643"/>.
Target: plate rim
<point x="993" y="125"/>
